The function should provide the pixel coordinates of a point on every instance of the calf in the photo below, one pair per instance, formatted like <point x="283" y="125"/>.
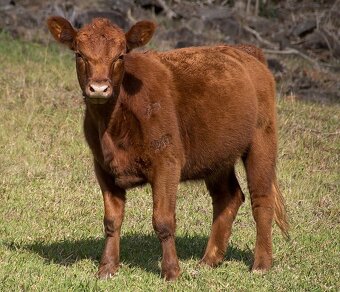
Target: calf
<point x="166" y="117"/>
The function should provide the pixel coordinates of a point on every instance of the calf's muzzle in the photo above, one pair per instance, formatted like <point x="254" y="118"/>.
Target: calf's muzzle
<point x="98" y="91"/>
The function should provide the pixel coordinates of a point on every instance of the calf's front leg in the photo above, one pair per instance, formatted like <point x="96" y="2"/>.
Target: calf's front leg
<point x="164" y="189"/>
<point x="114" y="202"/>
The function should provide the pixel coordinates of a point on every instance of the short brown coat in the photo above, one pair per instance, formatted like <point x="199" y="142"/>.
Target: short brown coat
<point x="179" y="115"/>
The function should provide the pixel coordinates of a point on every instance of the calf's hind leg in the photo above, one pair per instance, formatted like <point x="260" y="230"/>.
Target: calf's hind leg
<point x="260" y="168"/>
<point x="227" y="197"/>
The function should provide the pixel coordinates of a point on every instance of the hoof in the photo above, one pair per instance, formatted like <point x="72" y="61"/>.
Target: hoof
<point x="261" y="267"/>
<point x="107" y="271"/>
<point x="171" y="274"/>
<point x="210" y="261"/>
<point x="258" y="271"/>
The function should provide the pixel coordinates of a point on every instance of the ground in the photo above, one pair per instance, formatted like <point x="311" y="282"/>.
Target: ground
<point x="51" y="207"/>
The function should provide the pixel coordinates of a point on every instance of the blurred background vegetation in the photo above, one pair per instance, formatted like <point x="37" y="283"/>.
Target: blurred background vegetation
<point x="300" y="37"/>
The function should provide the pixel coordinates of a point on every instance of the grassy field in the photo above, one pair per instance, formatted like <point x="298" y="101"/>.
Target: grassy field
<point x="51" y="209"/>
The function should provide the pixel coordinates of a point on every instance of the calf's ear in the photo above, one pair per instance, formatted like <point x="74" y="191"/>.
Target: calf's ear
<point x="139" y="34"/>
<point x="61" y="30"/>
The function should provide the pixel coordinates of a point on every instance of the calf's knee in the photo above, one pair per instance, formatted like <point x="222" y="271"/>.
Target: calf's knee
<point x="163" y="228"/>
<point x="111" y="225"/>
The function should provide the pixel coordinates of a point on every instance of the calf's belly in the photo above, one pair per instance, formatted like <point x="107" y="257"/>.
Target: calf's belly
<point x="212" y="150"/>
<point x="129" y="181"/>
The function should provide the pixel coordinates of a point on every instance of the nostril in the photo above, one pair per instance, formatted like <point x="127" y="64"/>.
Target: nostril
<point x="105" y="90"/>
<point x="92" y="89"/>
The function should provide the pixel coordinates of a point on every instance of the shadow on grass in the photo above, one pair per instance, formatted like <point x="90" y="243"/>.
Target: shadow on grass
<point x="137" y="250"/>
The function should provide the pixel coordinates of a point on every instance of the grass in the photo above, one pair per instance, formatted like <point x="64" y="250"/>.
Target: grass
<point x="51" y="207"/>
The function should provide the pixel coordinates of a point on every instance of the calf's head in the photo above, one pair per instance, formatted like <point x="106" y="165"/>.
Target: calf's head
<point x="100" y="48"/>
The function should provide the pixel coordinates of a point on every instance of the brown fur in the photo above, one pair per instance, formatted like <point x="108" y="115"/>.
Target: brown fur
<point x="252" y="50"/>
<point x="166" y="117"/>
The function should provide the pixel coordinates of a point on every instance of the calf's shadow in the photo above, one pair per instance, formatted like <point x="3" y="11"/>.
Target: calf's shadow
<point x="139" y="250"/>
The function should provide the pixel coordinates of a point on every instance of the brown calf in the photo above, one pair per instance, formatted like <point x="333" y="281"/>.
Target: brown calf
<point x="166" y="117"/>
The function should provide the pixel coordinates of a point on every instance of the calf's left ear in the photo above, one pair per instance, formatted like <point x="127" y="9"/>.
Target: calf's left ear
<point x="139" y="34"/>
<point x="62" y="30"/>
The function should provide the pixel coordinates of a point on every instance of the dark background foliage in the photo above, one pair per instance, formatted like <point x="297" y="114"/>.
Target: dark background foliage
<point x="300" y="37"/>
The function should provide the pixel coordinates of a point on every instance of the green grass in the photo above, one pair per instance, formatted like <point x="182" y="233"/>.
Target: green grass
<point x="51" y="207"/>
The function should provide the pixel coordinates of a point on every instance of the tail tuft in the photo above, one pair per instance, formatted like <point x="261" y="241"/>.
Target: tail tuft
<point x="280" y="215"/>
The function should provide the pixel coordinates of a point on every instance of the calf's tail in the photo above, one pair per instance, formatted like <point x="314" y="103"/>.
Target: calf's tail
<point x="280" y="215"/>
